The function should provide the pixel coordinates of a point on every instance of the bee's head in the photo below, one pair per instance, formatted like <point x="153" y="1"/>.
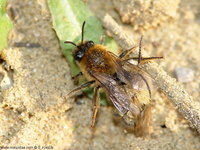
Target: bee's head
<point x="79" y="52"/>
<point x="82" y="47"/>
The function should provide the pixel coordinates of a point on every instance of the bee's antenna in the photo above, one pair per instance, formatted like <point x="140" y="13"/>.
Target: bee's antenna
<point x="82" y="36"/>
<point x="71" y="43"/>
<point x="140" y="48"/>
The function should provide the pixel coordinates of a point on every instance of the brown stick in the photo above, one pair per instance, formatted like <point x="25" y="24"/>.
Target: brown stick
<point x="173" y="90"/>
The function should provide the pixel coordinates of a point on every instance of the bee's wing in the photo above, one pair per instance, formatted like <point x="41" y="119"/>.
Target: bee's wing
<point x="135" y="78"/>
<point x="132" y="75"/>
<point x="116" y="93"/>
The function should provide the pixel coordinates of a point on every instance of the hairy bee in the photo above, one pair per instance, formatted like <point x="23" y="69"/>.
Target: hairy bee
<point x="125" y="84"/>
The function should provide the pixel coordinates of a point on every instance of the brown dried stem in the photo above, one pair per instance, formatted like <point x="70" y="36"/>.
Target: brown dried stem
<point x="173" y="90"/>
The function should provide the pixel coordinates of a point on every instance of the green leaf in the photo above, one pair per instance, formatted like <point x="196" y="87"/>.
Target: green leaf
<point x="5" y="25"/>
<point x="68" y="17"/>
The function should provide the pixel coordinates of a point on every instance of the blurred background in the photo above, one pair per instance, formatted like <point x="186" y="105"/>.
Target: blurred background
<point x="36" y="69"/>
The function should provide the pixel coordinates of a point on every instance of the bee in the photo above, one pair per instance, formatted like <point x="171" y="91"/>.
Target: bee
<point x="125" y="84"/>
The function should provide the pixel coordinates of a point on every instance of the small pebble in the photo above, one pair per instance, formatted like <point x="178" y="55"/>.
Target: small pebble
<point x="6" y="82"/>
<point x="184" y="74"/>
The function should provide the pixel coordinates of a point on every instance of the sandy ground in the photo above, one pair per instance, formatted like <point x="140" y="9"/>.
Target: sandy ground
<point x="33" y="112"/>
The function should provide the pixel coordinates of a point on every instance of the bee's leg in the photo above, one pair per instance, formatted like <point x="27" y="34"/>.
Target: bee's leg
<point x="77" y="75"/>
<point x="80" y="88"/>
<point x="126" y="52"/>
<point x="76" y="78"/>
<point x="140" y="59"/>
<point x="140" y="50"/>
<point x="95" y="106"/>
<point x="143" y="123"/>
<point x="143" y="59"/>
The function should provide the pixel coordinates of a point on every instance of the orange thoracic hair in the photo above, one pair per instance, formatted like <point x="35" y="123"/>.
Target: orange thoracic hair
<point x="98" y="59"/>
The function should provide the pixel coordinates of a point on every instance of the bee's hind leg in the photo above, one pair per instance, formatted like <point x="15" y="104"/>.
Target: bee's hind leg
<point x="96" y="105"/>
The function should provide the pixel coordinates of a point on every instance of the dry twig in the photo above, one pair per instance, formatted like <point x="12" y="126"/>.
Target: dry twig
<point x="173" y="90"/>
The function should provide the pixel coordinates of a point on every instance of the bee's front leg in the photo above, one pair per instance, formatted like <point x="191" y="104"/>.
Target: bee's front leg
<point x="81" y="87"/>
<point x="76" y="78"/>
<point x="77" y="75"/>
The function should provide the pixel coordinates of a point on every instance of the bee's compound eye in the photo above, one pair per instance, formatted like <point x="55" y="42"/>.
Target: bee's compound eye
<point x="79" y="55"/>
<point x="90" y="44"/>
